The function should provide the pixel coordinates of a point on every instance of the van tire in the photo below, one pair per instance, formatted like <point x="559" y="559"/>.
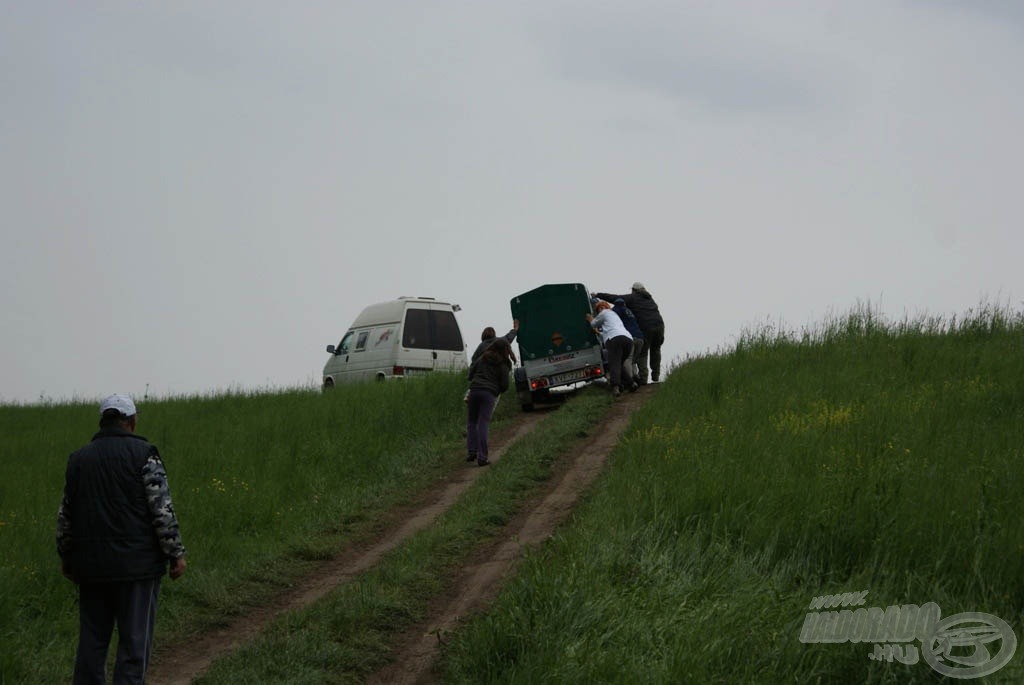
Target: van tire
<point x="381" y="378"/>
<point x="328" y="384"/>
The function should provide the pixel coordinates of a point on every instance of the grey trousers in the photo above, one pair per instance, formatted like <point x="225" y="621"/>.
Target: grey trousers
<point x="132" y="606"/>
<point x="639" y="374"/>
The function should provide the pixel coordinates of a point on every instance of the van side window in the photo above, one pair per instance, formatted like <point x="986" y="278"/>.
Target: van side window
<point x="427" y="329"/>
<point x="345" y="343"/>
<point x="361" y="341"/>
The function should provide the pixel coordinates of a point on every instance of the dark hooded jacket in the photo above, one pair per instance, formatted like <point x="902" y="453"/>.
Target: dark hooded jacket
<point x="484" y="344"/>
<point x="628" y="319"/>
<point x="643" y="307"/>
<point x="490" y="374"/>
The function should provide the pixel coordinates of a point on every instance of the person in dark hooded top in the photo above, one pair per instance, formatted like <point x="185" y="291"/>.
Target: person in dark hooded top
<point x="488" y="336"/>
<point x="488" y="378"/>
<point x="633" y="326"/>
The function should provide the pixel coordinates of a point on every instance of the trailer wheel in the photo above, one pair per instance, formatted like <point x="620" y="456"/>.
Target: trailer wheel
<point x="526" y="400"/>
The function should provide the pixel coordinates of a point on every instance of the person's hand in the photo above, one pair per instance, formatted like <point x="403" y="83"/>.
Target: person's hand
<point x="515" y="325"/>
<point x="589" y="317"/>
<point x="178" y="567"/>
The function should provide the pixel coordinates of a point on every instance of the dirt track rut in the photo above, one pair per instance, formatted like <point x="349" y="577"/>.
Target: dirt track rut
<point x="478" y="582"/>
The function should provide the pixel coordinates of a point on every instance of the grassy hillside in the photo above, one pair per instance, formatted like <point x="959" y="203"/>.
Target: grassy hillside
<point x="263" y="484"/>
<point x="861" y="456"/>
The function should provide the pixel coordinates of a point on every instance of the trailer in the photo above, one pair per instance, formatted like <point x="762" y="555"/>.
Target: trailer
<point x="557" y="346"/>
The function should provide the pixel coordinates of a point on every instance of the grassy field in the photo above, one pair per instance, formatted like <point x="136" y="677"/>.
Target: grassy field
<point x="264" y="486"/>
<point x="350" y="632"/>
<point x="860" y="456"/>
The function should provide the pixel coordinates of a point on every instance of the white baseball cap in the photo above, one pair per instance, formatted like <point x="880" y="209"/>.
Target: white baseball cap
<point x="122" y="403"/>
<point x="639" y="286"/>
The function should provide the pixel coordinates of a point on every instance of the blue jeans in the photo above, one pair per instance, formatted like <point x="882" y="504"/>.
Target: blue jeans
<point x="480" y="408"/>
<point x="132" y="605"/>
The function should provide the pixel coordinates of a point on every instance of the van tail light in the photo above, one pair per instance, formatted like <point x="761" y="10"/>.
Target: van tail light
<point x="538" y="383"/>
<point x="398" y="371"/>
<point x="594" y="371"/>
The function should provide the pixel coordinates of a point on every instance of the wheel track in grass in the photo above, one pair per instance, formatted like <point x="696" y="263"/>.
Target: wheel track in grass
<point x="185" y="662"/>
<point x="478" y="582"/>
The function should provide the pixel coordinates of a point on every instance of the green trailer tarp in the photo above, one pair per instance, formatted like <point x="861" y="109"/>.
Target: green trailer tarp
<point x="551" y="320"/>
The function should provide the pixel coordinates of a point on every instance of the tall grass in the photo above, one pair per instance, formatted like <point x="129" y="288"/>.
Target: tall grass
<point x="352" y="630"/>
<point x="860" y="455"/>
<point x="263" y="484"/>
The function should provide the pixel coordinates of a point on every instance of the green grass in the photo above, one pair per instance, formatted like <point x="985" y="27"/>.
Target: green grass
<point x="858" y="455"/>
<point x="350" y="632"/>
<point x="862" y="455"/>
<point x="264" y="484"/>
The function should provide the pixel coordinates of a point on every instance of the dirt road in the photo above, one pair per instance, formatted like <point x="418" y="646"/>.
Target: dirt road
<point x="416" y="651"/>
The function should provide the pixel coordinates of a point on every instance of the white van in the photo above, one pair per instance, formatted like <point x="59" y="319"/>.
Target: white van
<point x="404" y="337"/>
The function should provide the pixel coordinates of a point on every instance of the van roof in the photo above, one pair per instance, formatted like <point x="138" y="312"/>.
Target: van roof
<point x="390" y="312"/>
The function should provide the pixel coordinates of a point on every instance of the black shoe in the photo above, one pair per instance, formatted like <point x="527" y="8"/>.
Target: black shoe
<point x="634" y="387"/>
<point x="471" y="457"/>
<point x="482" y="462"/>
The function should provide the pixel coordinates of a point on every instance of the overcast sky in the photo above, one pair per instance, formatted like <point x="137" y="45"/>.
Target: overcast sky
<point x="200" y="196"/>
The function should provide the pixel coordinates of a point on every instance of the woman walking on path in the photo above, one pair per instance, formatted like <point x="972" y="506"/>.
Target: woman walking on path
<point x="488" y="378"/>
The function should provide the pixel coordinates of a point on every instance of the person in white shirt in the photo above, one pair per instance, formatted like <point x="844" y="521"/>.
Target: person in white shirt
<point x="619" y="344"/>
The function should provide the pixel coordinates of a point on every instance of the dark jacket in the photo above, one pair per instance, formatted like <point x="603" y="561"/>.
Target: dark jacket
<point x="485" y="343"/>
<point x="628" y="320"/>
<point x="643" y="307"/>
<point x="116" y="520"/>
<point x="487" y="374"/>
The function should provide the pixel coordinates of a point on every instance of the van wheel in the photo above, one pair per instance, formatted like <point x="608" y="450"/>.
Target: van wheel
<point x="328" y="384"/>
<point x="381" y="378"/>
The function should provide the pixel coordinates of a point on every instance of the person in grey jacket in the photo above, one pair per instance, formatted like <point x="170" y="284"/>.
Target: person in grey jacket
<point x="117" y="533"/>
<point x="643" y="306"/>
<point x="488" y="378"/>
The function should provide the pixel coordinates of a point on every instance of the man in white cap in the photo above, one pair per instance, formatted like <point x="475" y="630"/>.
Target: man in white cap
<point x="117" y="534"/>
<point x="643" y="306"/>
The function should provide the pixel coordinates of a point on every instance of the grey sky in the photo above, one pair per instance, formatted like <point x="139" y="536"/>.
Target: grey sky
<point x="202" y="195"/>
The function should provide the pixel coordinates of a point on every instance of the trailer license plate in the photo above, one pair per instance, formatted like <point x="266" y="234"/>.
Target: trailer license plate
<point x="568" y="377"/>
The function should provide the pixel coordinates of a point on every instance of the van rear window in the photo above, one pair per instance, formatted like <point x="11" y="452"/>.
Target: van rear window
<point x="426" y="329"/>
